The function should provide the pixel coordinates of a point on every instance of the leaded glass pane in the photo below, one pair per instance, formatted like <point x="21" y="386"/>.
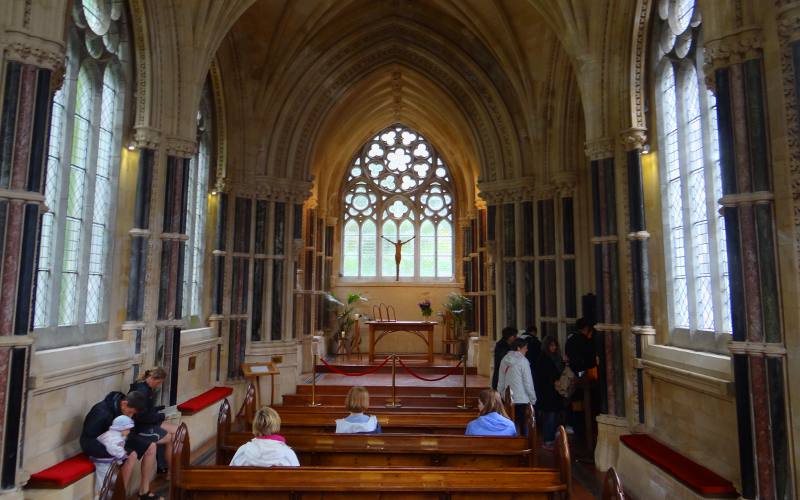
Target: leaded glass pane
<point x="368" y="248"/>
<point x="444" y="250"/>
<point x="350" y="247"/>
<point x="427" y="250"/>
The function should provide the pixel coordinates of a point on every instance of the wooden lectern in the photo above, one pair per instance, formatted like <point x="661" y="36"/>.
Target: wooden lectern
<point x="255" y="371"/>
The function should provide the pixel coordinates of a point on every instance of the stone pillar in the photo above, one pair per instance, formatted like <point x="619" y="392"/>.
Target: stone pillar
<point x="216" y="319"/>
<point x="633" y="141"/>
<point x="26" y="98"/>
<point x="605" y="242"/>
<point x="757" y="348"/>
<point x="173" y="237"/>
<point x="140" y="242"/>
<point x="606" y="259"/>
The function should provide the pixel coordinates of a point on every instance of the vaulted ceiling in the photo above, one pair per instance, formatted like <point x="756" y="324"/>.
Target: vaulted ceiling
<point x="488" y="82"/>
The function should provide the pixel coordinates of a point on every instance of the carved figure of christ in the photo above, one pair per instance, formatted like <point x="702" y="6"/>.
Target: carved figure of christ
<point x="398" y="256"/>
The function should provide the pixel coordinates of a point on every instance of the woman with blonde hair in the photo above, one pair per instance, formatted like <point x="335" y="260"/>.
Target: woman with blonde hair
<point x="267" y="448"/>
<point x="149" y="422"/>
<point x="357" y="402"/>
<point x="492" y="419"/>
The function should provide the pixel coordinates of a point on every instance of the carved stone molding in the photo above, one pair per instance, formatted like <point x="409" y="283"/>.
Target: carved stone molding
<point x="600" y="149"/>
<point x="146" y="137"/>
<point x="789" y="22"/>
<point x="270" y="188"/>
<point x="633" y="138"/>
<point x="505" y="191"/>
<point x="732" y="49"/>
<point x="221" y="185"/>
<point x="36" y="51"/>
<point x="181" y="147"/>
<point x="564" y="182"/>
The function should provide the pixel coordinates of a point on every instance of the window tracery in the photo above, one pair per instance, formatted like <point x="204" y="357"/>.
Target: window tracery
<point x="398" y="188"/>
<point x="699" y="298"/>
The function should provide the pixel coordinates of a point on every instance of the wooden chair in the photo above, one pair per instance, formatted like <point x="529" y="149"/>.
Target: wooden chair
<point x="612" y="488"/>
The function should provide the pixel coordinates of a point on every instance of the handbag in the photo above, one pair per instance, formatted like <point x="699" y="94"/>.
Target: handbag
<point x="565" y="385"/>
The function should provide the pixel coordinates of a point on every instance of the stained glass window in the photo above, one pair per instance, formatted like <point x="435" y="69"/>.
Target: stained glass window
<point x="82" y="162"/>
<point x="689" y="155"/>
<point x="398" y="191"/>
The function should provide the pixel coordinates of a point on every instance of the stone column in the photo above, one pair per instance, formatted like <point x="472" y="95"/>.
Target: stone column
<point x="140" y="243"/>
<point x="216" y="319"/>
<point x="173" y="239"/>
<point x="26" y="97"/>
<point x="633" y="141"/>
<point x="605" y="242"/>
<point x="758" y="349"/>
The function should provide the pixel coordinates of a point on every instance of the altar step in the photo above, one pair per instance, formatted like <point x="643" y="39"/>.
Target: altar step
<point x="417" y="363"/>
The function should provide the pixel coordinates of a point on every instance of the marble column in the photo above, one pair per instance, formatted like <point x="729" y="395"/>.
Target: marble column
<point x="605" y="242"/>
<point x="633" y="141"/>
<point x="216" y="319"/>
<point x="173" y="248"/>
<point x="757" y="348"/>
<point x="26" y="97"/>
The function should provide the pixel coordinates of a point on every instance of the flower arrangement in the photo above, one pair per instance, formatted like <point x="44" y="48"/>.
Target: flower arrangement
<point x="425" y="309"/>
<point x="457" y="305"/>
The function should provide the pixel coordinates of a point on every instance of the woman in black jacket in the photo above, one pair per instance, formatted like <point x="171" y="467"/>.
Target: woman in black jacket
<point x="150" y="422"/>
<point x="549" y="402"/>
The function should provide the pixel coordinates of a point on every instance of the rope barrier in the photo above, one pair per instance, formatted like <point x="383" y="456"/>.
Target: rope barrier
<point x="453" y="372"/>
<point x="340" y="372"/>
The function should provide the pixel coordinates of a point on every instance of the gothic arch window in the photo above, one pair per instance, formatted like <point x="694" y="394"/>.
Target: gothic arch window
<point x="398" y="188"/>
<point x="694" y="231"/>
<point x="196" y="207"/>
<point x="82" y="164"/>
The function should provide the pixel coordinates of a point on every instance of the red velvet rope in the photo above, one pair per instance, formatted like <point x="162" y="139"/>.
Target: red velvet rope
<point x="372" y="370"/>
<point x="452" y="372"/>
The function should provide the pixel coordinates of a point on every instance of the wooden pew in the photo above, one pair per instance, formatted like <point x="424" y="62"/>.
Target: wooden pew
<point x="306" y="482"/>
<point x="612" y="487"/>
<point x="389" y="449"/>
<point x="113" y="487"/>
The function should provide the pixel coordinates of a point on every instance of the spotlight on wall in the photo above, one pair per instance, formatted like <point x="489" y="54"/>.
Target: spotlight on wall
<point x="646" y="149"/>
<point x="214" y="193"/>
<point x="131" y="146"/>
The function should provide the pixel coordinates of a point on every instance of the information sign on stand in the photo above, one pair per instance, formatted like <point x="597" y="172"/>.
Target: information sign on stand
<point x="255" y="371"/>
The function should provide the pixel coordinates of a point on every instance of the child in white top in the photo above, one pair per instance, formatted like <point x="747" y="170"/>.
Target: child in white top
<point x="114" y="441"/>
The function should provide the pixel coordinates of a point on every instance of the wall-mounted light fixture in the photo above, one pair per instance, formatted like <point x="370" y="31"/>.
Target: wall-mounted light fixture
<point x="646" y="148"/>
<point x="131" y="146"/>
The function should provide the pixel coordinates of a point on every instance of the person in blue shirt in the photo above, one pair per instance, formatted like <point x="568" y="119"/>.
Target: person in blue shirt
<point x="357" y="402"/>
<point x="493" y="420"/>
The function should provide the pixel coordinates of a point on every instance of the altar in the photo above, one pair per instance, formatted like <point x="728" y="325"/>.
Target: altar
<point x="379" y="329"/>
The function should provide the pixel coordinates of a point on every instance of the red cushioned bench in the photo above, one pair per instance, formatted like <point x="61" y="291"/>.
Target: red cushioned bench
<point x="208" y="398"/>
<point x="62" y="474"/>
<point x="700" y="479"/>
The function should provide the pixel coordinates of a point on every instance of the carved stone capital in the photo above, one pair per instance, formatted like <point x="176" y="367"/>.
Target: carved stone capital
<point x="735" y="48"/>
<point x="277" y="189"/>
<point x="35" y="51"/>
<point x="221" y="185"/>
<point x="564" y="182"/>
<point x="600" y="149"/>
<point x="633" y="138"/>
<point x="181" y="147"/>
<point x="507" y="191"/>
<point x="789" y="22"/>
<point x="146" y="137"/>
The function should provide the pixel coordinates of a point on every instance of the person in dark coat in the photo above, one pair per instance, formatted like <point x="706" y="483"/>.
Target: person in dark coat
<point x="580" y="348"/>
<point x="534" y="345"/>
<point x="501" y="348"/>
<point x="548" y="368"/>
<point x="150" y="421"/>
<point x="99" y="420"/>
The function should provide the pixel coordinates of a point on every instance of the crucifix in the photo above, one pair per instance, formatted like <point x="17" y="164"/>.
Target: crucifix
<point x="398" y="256"/>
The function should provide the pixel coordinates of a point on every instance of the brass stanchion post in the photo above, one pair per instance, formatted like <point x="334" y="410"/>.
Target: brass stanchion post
<point x="394" y="403"/>
<point x="314" y="383"/>
<point x="464" y="393"/>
